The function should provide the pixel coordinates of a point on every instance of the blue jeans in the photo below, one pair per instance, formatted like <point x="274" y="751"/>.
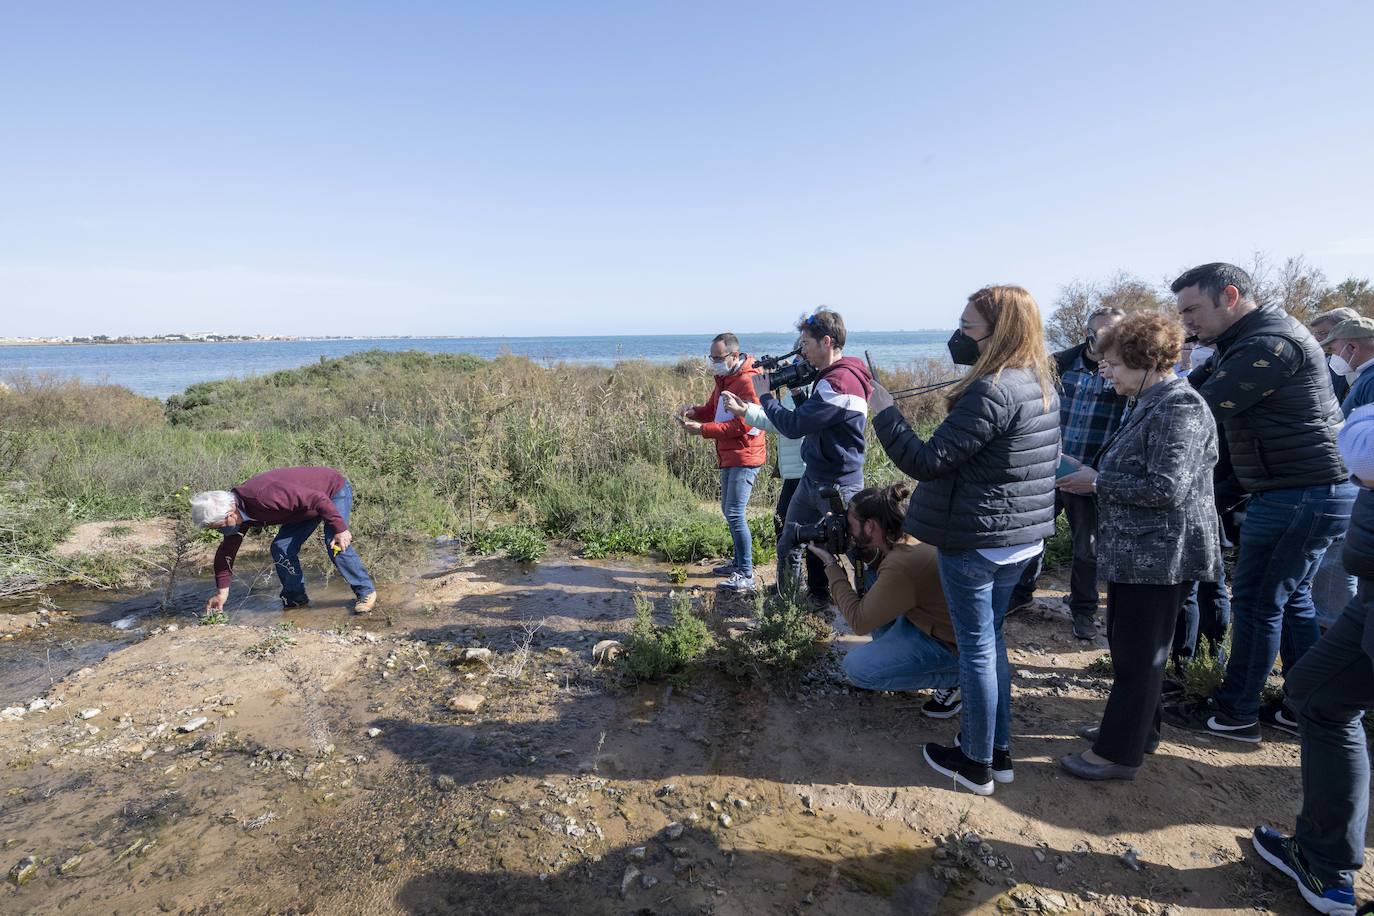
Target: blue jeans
<point x="1281" y="545"/>
<point x="807" y="508"/>
<point x="1332" y="587"/>
<point x="1206" y="612"/>
<point x="1330" y="689"/>
<point x="291" y="537"/>
<point x="736" y="485"/>
<point x="901" y="657"/>
<point x="978" y="591"/>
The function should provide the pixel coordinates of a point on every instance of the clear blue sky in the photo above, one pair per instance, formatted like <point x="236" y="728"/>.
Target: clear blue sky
<point x="643" y="167"/>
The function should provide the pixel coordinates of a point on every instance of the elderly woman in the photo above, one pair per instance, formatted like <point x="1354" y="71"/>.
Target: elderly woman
<point x="297" y="499"/>
<point x="1157" y="531"/>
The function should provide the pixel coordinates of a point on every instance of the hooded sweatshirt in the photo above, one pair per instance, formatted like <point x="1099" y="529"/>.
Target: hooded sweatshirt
<point x="738" y="445"/>
<point x="831" y="422"/>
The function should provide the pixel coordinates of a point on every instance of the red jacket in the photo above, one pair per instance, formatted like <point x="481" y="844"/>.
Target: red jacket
<point x="738" y="445"/>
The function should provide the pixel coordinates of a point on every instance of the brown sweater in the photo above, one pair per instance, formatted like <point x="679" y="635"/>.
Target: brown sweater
<point x="908" y="583"/>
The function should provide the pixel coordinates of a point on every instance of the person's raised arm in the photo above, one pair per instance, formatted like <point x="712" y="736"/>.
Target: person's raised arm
<point x="973" y="421"/>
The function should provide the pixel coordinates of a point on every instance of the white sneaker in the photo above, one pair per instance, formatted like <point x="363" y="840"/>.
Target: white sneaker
<point x="738" y="582"/>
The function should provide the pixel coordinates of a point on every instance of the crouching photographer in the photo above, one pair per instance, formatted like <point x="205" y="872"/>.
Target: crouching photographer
<point x="912" y="646"/>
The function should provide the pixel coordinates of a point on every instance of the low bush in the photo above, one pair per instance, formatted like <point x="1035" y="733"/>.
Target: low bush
<point x="654" y="652"/>
<point x="519" y="542"/>
<point x="785" y="639"/>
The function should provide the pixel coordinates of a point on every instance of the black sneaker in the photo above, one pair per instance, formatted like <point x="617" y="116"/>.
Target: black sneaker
<point x="288" y="604"/>
<point x="1278" y="715"/>
<point x="1084" y="627"/>
<point x="1282" y="853"/>
<point x="1001" y="768"/>
<point x="1203" y="716"/>
<point x="951" y="762"/>
<point x="943" y="704"/>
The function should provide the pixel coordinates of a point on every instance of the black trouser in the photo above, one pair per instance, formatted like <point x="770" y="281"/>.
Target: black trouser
<point x="1081" y="510"/>
<point x="1330" y="687"/>
<point x="1206" y="612"/>
<point x="1140" y="632"/>
<point x="818" y="586"/>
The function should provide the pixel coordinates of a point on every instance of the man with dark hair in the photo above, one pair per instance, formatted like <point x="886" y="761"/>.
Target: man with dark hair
<point x="1269" y="388"/>
<point x="740" y="452"/>
<point x="831" y="424"/>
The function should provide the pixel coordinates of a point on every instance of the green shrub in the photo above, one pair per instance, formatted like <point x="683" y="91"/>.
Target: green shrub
<point x="1202" y="674"/>
<point x="784" y="640"/>
<point x="1059" y="548"/>
<point x="519" y="542"/>
<point x="655" y="652"/>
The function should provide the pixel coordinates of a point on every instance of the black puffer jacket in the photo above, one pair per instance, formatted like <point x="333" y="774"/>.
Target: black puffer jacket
<point x="1269" y="387"/>
<point x="987" y="473"/>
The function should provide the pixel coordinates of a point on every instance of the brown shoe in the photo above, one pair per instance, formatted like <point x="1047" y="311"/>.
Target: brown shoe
<point x="365" y="604"/>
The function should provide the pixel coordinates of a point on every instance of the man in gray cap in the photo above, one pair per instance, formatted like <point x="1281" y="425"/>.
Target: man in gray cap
<point x="1351" y="346"/>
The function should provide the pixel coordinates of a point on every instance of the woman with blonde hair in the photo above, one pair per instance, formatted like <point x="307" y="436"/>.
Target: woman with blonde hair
<point x="986" y="500"/>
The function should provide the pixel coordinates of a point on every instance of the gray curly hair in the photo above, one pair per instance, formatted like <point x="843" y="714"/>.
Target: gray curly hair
<point x="211" y="507"/>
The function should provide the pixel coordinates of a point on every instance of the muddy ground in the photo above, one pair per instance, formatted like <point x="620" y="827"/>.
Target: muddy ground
<point x="254" y="768"/>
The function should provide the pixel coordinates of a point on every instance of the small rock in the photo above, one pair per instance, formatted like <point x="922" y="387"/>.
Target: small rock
<point x="70" y="865"/>
<point x="446" y="783"/>
<point x="194" y="724"/>
<point x="606" y="650"/>
<point x="666" y="789"/>
<point x="89" y="713"/>
<point x="373" y="732"/>
<point x="475" y="654"/>
<point x="1039" y="855"/>
<point x="637" y="854"/>
<point x="742" y="804"/>
<point x="38" y="704"/>
<point x="22" y="872"/>
<point x="631" y="874"/>
<point x="808" y="801"/>
<point x="674" y="831"/>
<point x="1131" y="859"/>
<point x="725" y="820"/>
<point x="647" y="881"/>
<point x="713" y="806"/>
<point x="466" y="702"/>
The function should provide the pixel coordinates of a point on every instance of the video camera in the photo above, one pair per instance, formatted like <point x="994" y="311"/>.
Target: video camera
<point x="785" y="371"/>
<point x="832" y="531"/>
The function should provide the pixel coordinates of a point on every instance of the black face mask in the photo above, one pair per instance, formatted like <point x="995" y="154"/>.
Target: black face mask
<point x="963" y="349"/>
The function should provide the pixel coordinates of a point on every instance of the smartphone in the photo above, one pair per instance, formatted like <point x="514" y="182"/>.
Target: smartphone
<point x="1066" y="467"/>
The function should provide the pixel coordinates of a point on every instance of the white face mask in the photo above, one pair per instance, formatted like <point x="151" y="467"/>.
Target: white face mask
<point x="1200" y="356"/>
<point x="1340" y="366"/>
<point x="720" y="367"/>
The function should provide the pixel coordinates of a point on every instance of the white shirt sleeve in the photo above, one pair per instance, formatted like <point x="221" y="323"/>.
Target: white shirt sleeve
<point x="1356" y="442"/>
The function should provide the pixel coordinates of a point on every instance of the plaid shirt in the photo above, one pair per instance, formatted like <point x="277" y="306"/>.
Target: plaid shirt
<point x="1089" y="412"/>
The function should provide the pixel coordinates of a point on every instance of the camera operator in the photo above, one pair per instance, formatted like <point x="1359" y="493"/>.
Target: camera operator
<point x="740" y="452"/>
<point x="986" y="500"/>
<point x="791" y="468"/>
<point x="913" y="640"/>
<point x="831" y="425"/>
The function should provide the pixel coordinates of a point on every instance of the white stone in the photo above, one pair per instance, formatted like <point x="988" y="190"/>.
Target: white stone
<point x="89" y="713"/>
<point x="194" y="724"/>
<point x="373" y="732"/>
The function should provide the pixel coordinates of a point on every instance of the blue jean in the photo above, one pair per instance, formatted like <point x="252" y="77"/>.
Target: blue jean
<point x="1332" y="587"/>
<point x="736" y="486"/>
<point x="978" y="591"/>
<point x="807" y="508"/>
<point x="291" y="537"/>
<point x="1329" y="690"/>
<point x="1281" y="545"/>
<point x="1206" y="612"/>
<point x="901" y="657"/>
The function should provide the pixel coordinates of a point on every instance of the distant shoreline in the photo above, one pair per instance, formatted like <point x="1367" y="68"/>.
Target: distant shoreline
<point x="228" y="338"/>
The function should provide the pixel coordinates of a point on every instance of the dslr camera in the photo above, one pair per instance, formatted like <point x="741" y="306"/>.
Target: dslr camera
<point x="832" y="531"/>
<point x="790" y="370"/>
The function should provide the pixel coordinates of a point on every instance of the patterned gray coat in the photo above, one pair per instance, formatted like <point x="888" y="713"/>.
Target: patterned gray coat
<point x="1156" y="515"/>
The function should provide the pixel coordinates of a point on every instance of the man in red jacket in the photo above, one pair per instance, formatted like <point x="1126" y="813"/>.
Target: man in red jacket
<point x="297" y="499"/>
<point x="740" y="451"/>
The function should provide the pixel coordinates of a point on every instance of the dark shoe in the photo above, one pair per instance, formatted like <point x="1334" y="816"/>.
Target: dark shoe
<point x="1084" y="627"/>
<point x="943" y="704"/>
<point x="1203" y="716"/>
<point x="725" y="569"/>
<point x="1282" y="853"/>
<point x="1001" y="768"/>
<point x="1077" y="766"/>
<point x="1278" y="715"/>
<point x="1090" y="732"/>
<point x="289" y="604"/>
<point x="951" y="762"/>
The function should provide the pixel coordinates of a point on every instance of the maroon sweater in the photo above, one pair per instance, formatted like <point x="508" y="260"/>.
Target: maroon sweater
<point x="277" y="497"/>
